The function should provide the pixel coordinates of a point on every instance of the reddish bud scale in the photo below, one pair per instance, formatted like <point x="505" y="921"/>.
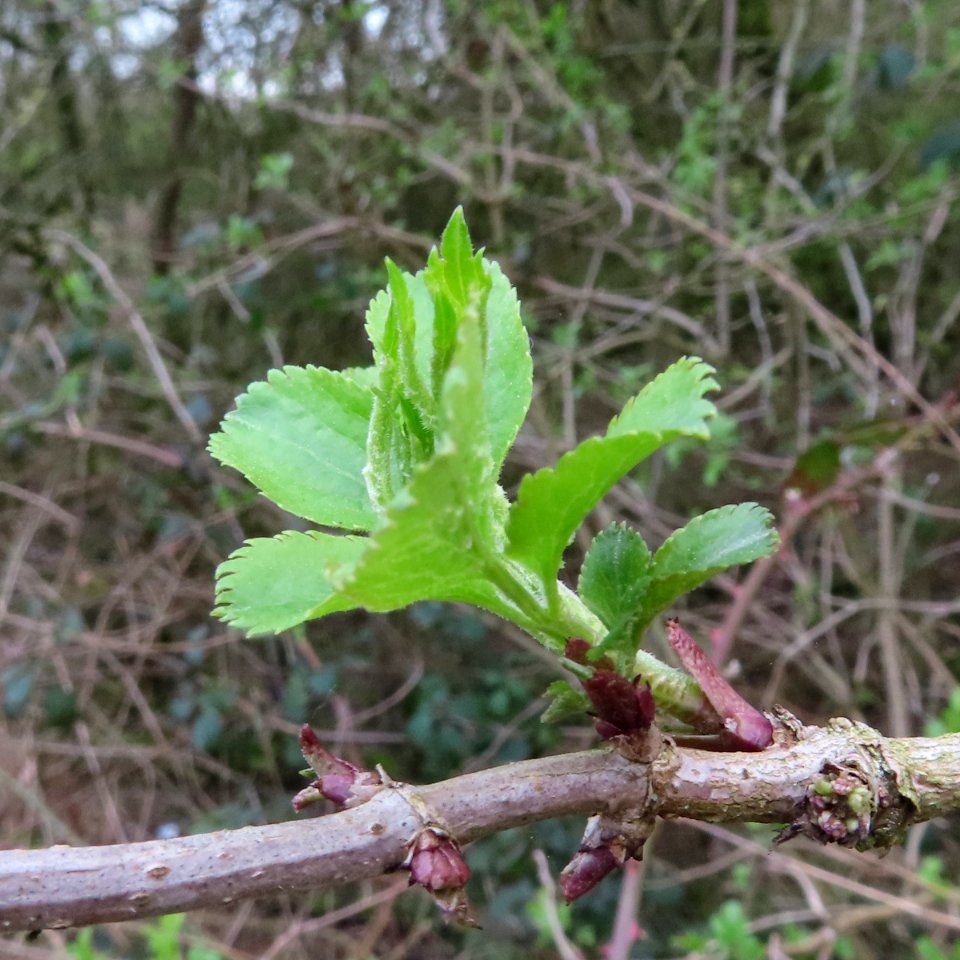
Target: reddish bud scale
<point x="436" y="862"/>
<point x="744" y="727"/>
<point x="587" y="868"/>
<point x="622" y="706"/>
<point x="337" y="779"/>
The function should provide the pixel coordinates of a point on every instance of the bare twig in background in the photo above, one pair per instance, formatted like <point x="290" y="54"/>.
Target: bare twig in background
<point x="565" y="948"/>
<point x="140" y="328"/>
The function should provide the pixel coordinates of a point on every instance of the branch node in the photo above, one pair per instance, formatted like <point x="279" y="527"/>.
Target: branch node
<point x="864" y="800"/>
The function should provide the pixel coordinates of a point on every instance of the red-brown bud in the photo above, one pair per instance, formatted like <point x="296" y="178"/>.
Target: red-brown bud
<point x="436" y="862"/>
<point x="608" y="842"/>
<point x="743" y="726"/>
<point x="621" y="706"/>
<point x="577" y="650"/>
<point x="587" y="868"/>
<point x="337" y="780"/>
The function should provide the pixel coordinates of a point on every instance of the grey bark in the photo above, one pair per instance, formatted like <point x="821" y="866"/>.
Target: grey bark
<point x="906" y="781"/>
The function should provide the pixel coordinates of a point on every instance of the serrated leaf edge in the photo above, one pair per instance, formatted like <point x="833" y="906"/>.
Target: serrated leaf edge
<point x="706" y="382"/>
<point x="689" y="528"/>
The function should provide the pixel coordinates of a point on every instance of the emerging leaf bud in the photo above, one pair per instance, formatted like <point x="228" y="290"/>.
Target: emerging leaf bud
<point x="607" y="843"/>
<point x="743" y="726"/>
<point x="337" y="779"/>
<point x="585" y="871"/>
<point x="623" y="707"/>
<point x="436" y="864"/>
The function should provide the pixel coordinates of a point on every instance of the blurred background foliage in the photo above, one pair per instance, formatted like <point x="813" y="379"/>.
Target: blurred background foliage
<point x="194" y="191"/>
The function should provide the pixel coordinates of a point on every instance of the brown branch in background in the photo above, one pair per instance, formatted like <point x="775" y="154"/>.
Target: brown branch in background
<point x="56" y="37"/>
<point x="140" y="329"/>
<point x="141" y="448"/>
<point x="721" y="214"/>
<point x="814" y="778"/>
<point x="830" y="325"/>
<point x="798" y="509"/>
<point x="186" y="45"/>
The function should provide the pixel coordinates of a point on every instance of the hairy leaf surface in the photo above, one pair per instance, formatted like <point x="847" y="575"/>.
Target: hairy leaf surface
<point x="437" y="537"/>
<point x="553" y="502"/>
<point x="615" y="574"/>
<point x="301" y="438"/>
<point x="709" y="543"/>
<point x="273" y="583"/>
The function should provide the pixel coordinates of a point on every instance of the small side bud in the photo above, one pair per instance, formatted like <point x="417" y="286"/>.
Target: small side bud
<point x="578" y="650"/>
<point x="586" y="869"/>
<point x="607" y="843"/>
<point x="337" y="780"/>
<point x="436" y="864"/>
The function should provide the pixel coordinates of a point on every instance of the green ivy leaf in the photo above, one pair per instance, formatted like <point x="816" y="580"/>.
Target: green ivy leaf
<point x="272" y="584"/>
<point x="709" y="543"/>
<point x="554" y="501"/>
<point x="301" y="437"/>
<point x="615" y="574"/>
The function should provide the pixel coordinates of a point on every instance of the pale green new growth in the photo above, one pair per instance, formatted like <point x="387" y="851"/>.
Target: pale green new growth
<point x="554" y="501"/>
<point x="271" y="584"/>
<point x="411" y="449"/>
<point x="301" y="438"/>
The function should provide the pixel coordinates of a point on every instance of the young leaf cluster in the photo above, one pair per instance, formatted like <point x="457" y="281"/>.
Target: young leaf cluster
<point x="399" y="462"/>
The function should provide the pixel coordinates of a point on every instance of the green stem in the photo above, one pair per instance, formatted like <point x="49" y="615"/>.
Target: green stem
<point x="674" y="691"/>
<point x="552" y="624"/>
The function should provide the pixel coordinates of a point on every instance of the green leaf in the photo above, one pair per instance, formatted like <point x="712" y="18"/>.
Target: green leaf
<point x="508" y="376"/>
<point x="365" y="377"/>
<point x="553" y="502"/>
<point x="427" y="548"/>
<point x="565" y="702"/>
<point x="673" y="403"/>
<point x="411" y="345"/>
<point x="272" y="584"/>
<point x="709" y="543"/>
<point x="615" y="574"/>
<point x="300" y="436"/>
<point x="437" y="537"/>
<point x="454" y="270"/>
<point x="459" y="282"/>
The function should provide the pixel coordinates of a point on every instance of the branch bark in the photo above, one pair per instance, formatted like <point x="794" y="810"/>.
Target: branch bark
<point x="804" y="780"/>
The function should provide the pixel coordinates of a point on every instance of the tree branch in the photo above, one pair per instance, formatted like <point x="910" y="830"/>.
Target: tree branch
<point x="809" y="778"/>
